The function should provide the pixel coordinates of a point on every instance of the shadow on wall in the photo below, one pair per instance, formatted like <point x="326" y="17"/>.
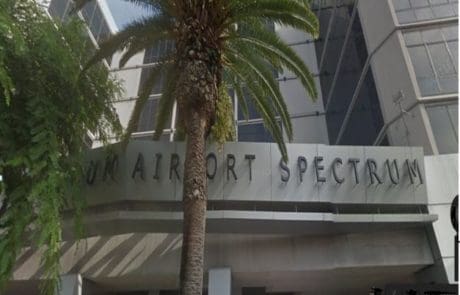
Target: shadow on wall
<point x="104" y="260"/>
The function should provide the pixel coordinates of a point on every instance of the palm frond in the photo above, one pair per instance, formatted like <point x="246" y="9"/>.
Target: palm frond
<point x="144" y="94"/>
<point x="140" y="44"/>
<point x="152" y="28"/>
<point x="243" y="56"/>
<point x="293" y="13"/>
<point x="166" y="102"/>
<point x="269" y="45"/>
<point x="263" y="105"/>
<point x="233" y="80"/>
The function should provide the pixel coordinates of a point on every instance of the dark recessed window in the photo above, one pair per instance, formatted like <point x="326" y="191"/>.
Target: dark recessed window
<point x="255" y="132"/>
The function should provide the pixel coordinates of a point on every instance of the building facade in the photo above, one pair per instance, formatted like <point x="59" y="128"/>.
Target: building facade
<point x="387" y="78"/>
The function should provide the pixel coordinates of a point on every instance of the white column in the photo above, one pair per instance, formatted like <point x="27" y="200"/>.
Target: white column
<point x="220" y="281"/>
<point x="71" y="284"/>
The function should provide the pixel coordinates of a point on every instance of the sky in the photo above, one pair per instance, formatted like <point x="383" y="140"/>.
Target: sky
<point x="124" y="12"/>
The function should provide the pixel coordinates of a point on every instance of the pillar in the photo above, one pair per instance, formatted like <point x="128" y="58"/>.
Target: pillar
<point x="71" y="284"/>
<point x="220" y="281"/>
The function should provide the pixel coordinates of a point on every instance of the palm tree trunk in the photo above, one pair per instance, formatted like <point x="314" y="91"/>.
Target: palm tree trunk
<point x="194" y="206"/>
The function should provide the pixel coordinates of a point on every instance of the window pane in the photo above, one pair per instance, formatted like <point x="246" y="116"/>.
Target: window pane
<point x="443" y="129"/>
<point x="413" y="38"/>
<point x="453" y="112"/>
<point x="104" y="32"/>
<point x="152" y="55"/>
<point x="443" y="11"/>
<point x="419" y="3"/>
<point x="432" y="35"/>
<point x="148" y="116"/>
<point x="453" y="47"/>
<point x="450" y="33"/>
<point x="449" y="84"/>
<point x="88" y="10"/>
<point x="406" y="16"/>
<point x="434" y="59"/>
<point x="401" y="4"/>
<point x="252" y="112"/>
<point x="57" y="8"/>
<point x="436" y="2"/>
<point x="424" y="14"/>
<point x="421" y="62"/>
<point x="428" y="86"/>
<point x="254" y="133"/>
<point x="408" y="11"/>
<point x="441" y="59"/>
<point x="96" y="22"/>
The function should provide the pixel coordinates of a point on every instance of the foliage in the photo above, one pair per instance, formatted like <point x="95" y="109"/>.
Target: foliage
<point x="217" y="42"/>
<point x="224" y="128"/>
<point x="47" y="108"/>
<point x="231" y="36"/>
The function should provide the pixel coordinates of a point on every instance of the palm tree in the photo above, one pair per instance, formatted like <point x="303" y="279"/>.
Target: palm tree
<point x="217" y="42"/>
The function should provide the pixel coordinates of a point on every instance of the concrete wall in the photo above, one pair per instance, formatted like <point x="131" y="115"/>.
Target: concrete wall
<point x="280" y="263"/>
<point x="393" y="75"/>
<point x="442" y="187"/>
<point x="308" y="127"/>
<point x="266" y="184"/>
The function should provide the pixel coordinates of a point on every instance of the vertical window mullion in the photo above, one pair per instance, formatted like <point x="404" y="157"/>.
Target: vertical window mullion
<point x="433" y="67"/>
<point x="65" y="9"/>
<point x="452" y="123"/>
<point x="449" y="52"/>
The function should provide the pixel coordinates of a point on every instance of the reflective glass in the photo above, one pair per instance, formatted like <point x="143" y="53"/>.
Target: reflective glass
<point x="444" y="124"/>
<point x="252" y="112"/>
<point x="401" y="4"/>
<point x="409" y="11"/>
<point x="366" y="115"/>
<point x="441" y="59"/>
<point x="96" y="22"/>
<point x="421" y="61"/>
<point x="152" y="55"/>
<point x="57" y="8"/>
<point x="88" y="10"/>
<point x="254" y="133"/>
<point x="148" y="116"/>
<point x="434" y="57"/>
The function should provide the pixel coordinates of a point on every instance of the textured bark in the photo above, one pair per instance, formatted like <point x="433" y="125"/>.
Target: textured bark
<point x="196" y="93"/>
<point x="194" y="205"/>
<point x="196" y="100"/>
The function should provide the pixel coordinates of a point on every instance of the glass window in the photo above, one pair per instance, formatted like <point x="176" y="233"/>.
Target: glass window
<point x="406" y="16"/>
<point x="444" y="123"/>
<point x="409" y="11"/>
<point x="434" y="56"/>
<point x="418" y="3"/>
<point x="152" y="55"/>
<point x="149" y="116"/>
<point x="95" y="24"/>
<point x="88" y="10"/>
<point x="254" y="133"/>
<point x="402" y="4"/>
<point x="57" y="8"/>
<point x="453" y="48"/>
<point x="104" y="33"/>
<point x="252" y="112"/>
<point x="413" y="38"/>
